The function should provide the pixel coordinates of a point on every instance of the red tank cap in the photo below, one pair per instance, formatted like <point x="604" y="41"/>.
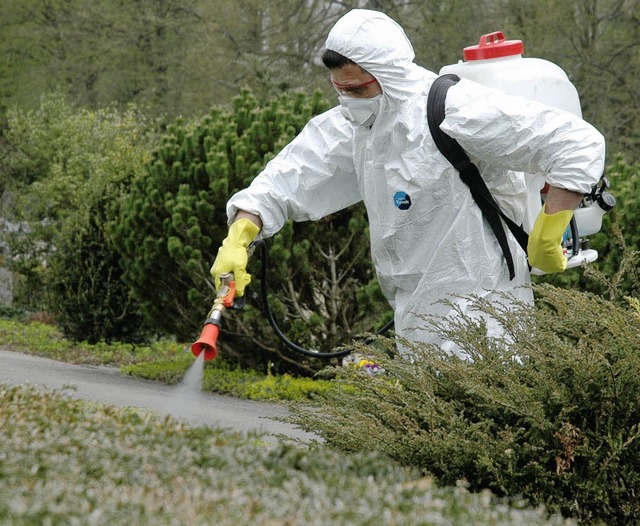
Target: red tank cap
<point x="493" y="45"/>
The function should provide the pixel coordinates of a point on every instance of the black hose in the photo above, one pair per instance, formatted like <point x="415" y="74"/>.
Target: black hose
<point x="262" y="247"/>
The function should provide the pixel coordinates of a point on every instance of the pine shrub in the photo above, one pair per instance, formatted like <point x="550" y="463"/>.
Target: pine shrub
<point x="174" y="220"/>
<point x="550" y="413"/>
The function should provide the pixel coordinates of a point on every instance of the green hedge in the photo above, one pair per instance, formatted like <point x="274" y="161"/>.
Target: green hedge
<point x="68" y="462"/>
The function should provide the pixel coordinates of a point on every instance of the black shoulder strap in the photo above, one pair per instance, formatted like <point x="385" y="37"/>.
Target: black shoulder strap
<point x="469" y="173"/>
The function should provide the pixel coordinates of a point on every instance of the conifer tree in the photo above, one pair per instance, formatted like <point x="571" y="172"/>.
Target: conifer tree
<point x="174" y="220"/>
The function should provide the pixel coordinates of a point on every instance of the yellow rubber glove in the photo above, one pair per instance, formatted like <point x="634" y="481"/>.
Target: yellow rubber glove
<point x="232" y="255"/>
<point x="544" y="248"/>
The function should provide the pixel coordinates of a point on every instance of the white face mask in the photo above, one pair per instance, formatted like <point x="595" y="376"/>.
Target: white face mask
<point x="360" y="111"/>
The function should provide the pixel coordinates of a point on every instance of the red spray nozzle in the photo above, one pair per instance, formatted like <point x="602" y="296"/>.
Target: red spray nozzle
<point x="208" y="342"/>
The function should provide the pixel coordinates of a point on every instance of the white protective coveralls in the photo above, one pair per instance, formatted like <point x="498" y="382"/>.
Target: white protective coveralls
<point x="428" y="237"/>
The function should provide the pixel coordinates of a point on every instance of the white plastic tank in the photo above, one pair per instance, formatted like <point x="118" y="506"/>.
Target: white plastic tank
<point x="498" y="63"/>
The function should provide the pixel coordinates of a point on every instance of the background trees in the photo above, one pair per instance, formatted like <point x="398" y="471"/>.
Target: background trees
<point x="181" y="57"/>
<point x="97" y="52"/>
<point x="177" y="57"/>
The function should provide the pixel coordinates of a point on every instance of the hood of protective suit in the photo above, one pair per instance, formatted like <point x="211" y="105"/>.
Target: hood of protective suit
<point x="378" y="44"/>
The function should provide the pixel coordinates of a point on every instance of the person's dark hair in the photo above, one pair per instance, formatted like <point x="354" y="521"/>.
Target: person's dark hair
<point x="334" y="60"/>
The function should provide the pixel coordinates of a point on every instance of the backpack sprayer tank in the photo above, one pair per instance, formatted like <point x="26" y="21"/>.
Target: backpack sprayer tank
<point x="498" y="63"/>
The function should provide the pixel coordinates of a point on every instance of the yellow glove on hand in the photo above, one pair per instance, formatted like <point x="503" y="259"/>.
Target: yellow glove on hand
<point x="232" y="255"/>
<point x="544" y="248"/>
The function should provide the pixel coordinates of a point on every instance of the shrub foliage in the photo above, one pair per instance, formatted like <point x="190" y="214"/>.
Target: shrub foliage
<point x="65" y="169"/>
<point x="552" y="415"/>
<point x="69" y="462"/>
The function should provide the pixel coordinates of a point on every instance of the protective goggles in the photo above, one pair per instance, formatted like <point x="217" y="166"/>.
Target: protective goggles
<point x="352" y="89"/>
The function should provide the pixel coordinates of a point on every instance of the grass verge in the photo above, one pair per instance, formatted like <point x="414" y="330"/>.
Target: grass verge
<point x="164" y="361"/>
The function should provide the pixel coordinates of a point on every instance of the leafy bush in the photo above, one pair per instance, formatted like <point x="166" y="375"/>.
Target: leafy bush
<point x="66" y="169"/>
<point x="12" y="313"/>
<point x="286" y="387"/>
<point x="174" y="220"/>
<point x="167" y="371"/>
<point x="552" y="414"/>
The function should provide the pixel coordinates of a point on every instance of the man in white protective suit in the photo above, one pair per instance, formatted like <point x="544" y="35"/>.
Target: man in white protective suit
<point x="429" y="240"/>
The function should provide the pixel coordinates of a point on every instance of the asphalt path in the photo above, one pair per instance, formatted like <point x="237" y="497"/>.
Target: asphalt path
<point x="106" y="385"/>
